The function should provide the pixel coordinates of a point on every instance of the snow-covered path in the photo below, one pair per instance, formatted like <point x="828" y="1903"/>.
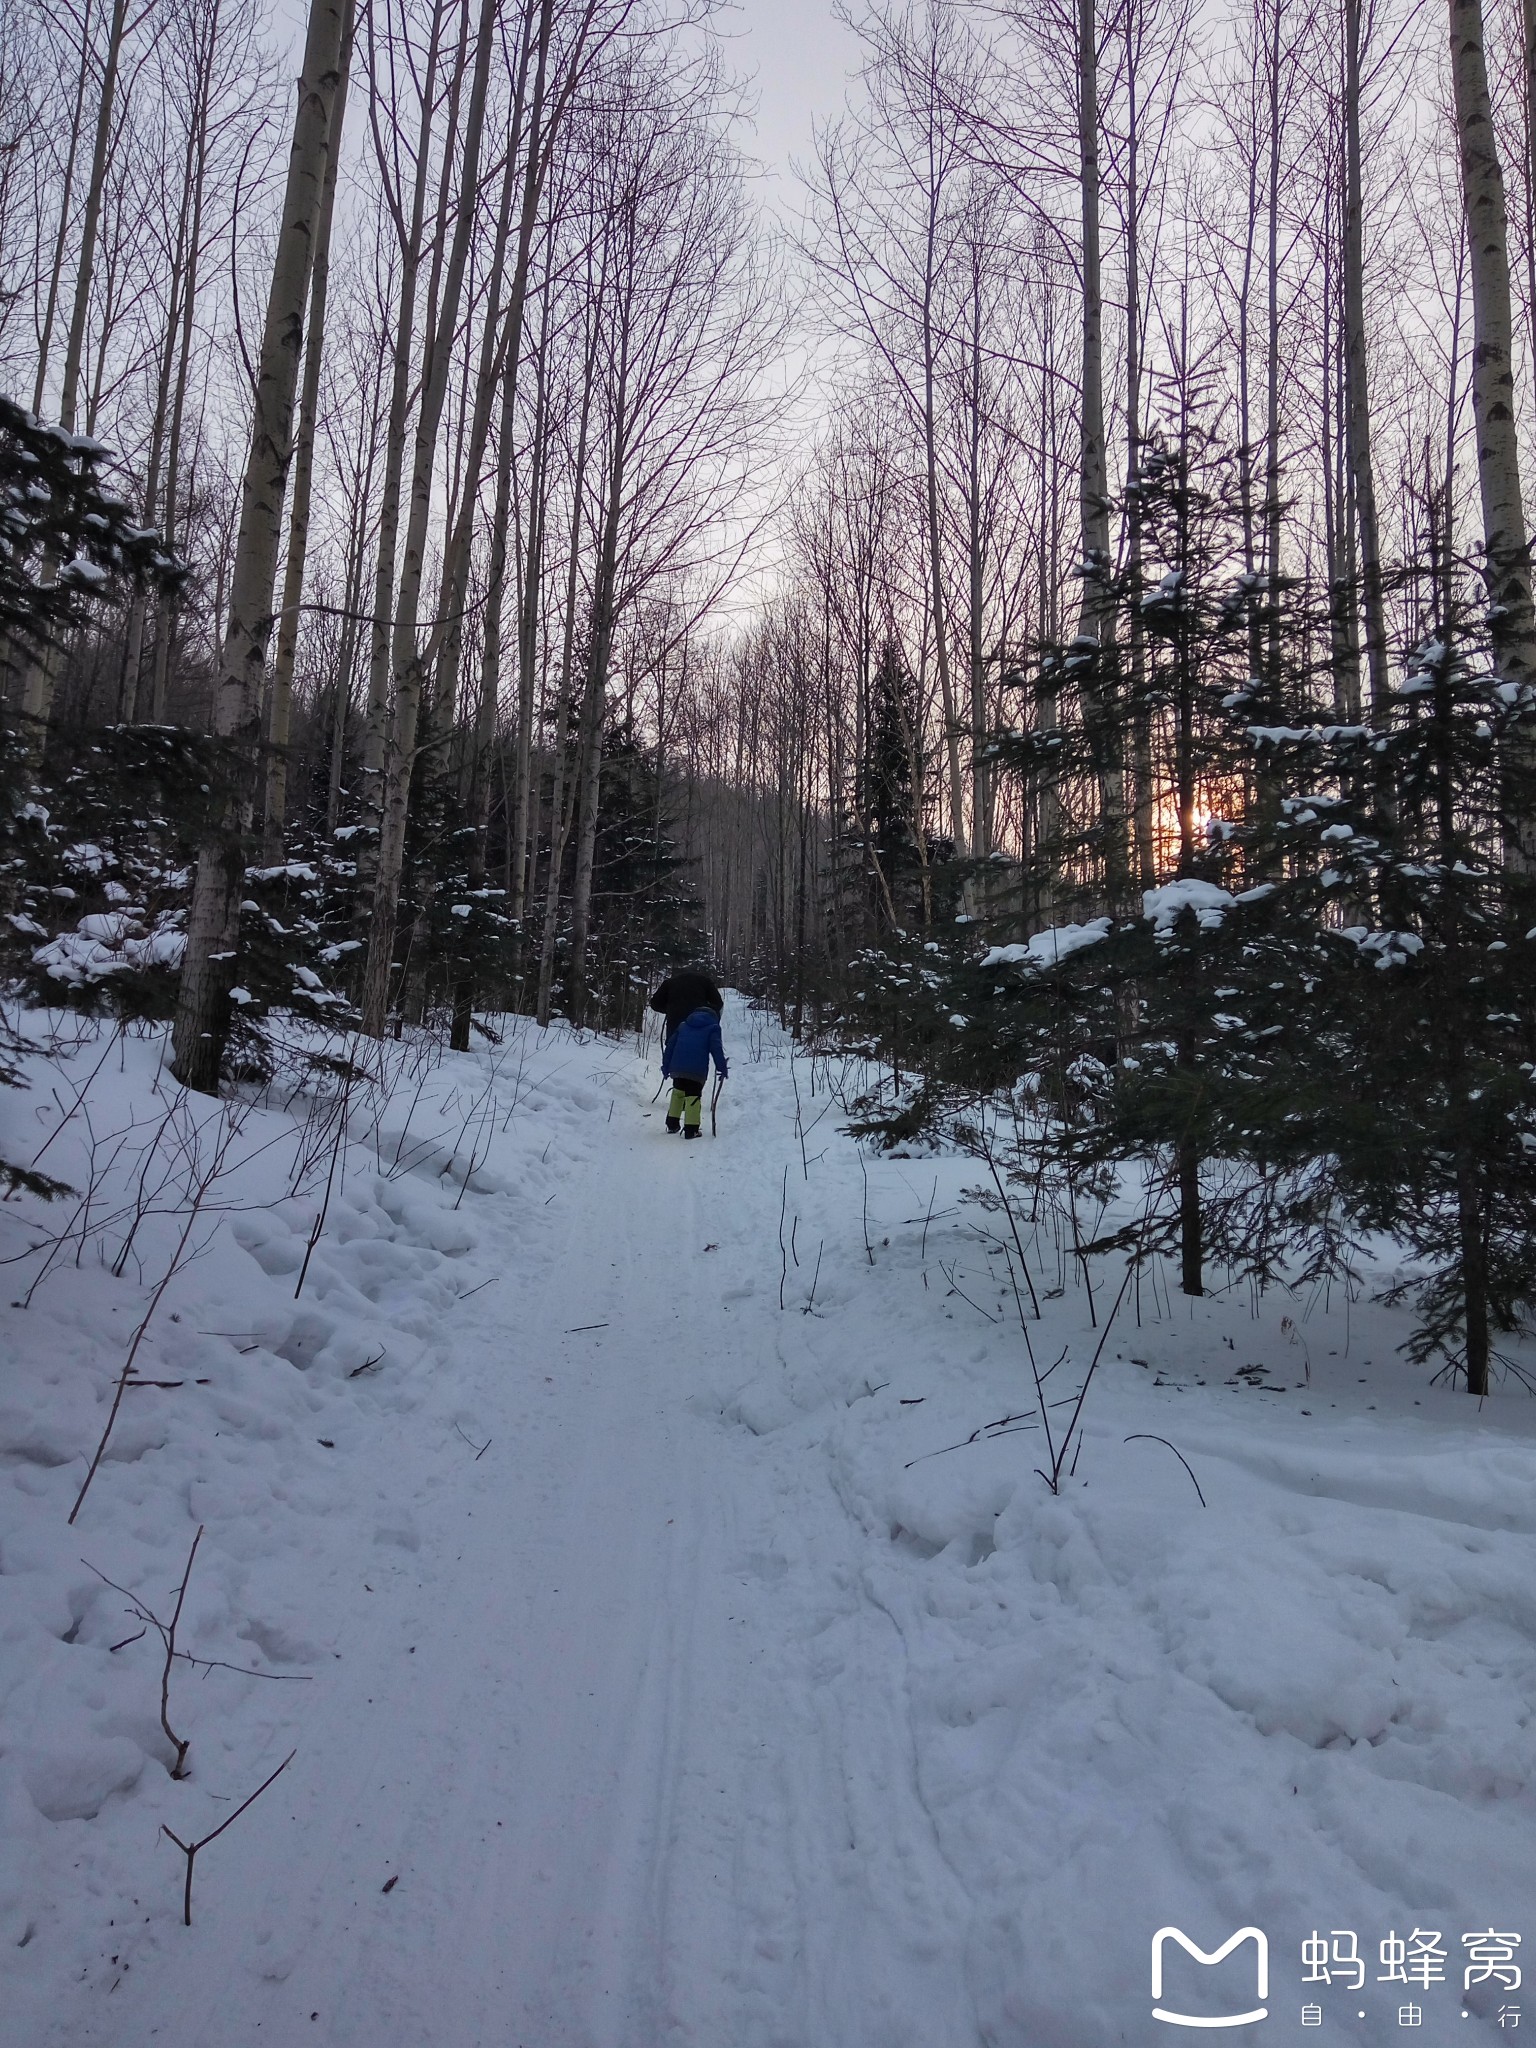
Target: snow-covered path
<point x="676" y="1680"/>
<point x="567" y="1728"/>
<point x="572" y="1715"/>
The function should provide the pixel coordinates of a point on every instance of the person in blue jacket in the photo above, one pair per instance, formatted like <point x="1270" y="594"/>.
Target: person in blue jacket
<point x="686" y="1059"/>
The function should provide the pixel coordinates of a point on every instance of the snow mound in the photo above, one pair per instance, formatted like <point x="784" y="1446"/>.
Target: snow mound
<point x="1046" y="948"/>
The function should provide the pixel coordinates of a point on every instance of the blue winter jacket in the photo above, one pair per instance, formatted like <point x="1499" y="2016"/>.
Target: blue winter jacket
<point x="692" y="1046"/>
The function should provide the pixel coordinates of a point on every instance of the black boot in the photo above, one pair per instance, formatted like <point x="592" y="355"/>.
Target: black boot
<point x="673" y="1124"/>
<point x="690" y="1130"/>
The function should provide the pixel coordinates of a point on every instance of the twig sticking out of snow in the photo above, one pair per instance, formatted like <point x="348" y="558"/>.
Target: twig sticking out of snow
<point x="989" y="1432"/>
<point x="482" y="1113"/>
<point x="810" y="1303"/>
<point x="1013" y="1225"/>
<point x="1058" y="1455"/>
<point x="933" y="1197"/>
<point x="805" y="1169"/>
<point x="200" y="1192"/>
<point x="80" y="1094"/>
<point x="180" y="1744"/>
<point x="167" y="1633"/>
<point x="783" y="1248"/>
<point x="190" y="1849"/>
<point x="949" y="1273"/>
<point x="1146" y="1436"/>
<point x="338" y="1148"/>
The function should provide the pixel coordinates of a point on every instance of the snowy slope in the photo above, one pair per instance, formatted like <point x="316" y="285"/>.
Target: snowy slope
<point x="656" y="1670"/>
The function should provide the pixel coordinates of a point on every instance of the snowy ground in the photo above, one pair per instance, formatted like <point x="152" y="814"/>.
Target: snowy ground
<point x="655" y="1670"/>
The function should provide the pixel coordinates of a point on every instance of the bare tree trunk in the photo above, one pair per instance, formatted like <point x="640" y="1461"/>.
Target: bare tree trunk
<point x="61" y="240"/>
<point x="528" y="636"/>
<point x="42" y="671"/>
<point x="303" y="481"/>
<point x="1095" y="625"/>
<point x="1343" y="618"/>
<point x="1473" y="1231"/>
<point x="1452" y="409"/>
<point x="981" y="781"/>
<point x="360" y="499"/>
<point x="213" y="920"/>
<point x="409" y="231"/>
<point x="594" y="706"/>
<point x="1528" y="164"/>
<point x="1042" y="890"/>
<point x="1272" y="367"/>
<point x="165" y="614"/>
<point x="559" y="822"/>
<point x="1493" y="390"/>
<point x="1245" y="441"/>
<point x="478" y="780"/>
<point x="1358" y="401"/>
<point x="1511" y="624"/>
<point x="1191" y="1233"/>
<point x="1144" y="794"/>
<point x="75" y="348"/>
<point x="406" y="656"/>
<point x="500" y="343"/>
<point x="1264" y="637"/>
<point x="341" y="698"/>
<point x="936" y="563"/>
<point x="128" y="695"/>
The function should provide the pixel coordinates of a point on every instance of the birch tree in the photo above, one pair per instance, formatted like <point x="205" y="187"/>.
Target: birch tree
<point x="213" y="919"/>
<point x="1505" y="536"/>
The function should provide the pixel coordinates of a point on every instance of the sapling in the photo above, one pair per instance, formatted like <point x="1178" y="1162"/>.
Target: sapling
<point x="983" y="1144"/>
<point x="1057" y="1454"/>
<point x="231" y="1120"/>
<point x="167" y="1633"/>
<point x="484" y="1114"/>
<point x="144" y="1198"/>
<point x="337" y="1149"/>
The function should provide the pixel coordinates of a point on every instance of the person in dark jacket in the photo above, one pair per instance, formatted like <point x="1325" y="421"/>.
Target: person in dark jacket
<point x="683" y="991"/>
<point x="686" y="1059"/>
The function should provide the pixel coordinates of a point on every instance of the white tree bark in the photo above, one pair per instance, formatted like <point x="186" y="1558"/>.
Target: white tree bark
<point x="213" y="921"/>
<point x="1507" y="568"/>
<point x="1493" y="384"/>
<point x="303" y="482"/>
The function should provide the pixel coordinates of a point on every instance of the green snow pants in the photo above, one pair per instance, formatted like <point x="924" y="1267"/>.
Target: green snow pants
<point x="687" y="1102"/>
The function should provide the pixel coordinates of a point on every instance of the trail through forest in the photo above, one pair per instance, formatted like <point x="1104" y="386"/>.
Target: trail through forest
<point x="563" y="1725"/>
<point x="687" y="1667"/>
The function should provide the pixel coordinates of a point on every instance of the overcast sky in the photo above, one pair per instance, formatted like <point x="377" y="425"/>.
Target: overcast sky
<point x="799" y="57"/>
